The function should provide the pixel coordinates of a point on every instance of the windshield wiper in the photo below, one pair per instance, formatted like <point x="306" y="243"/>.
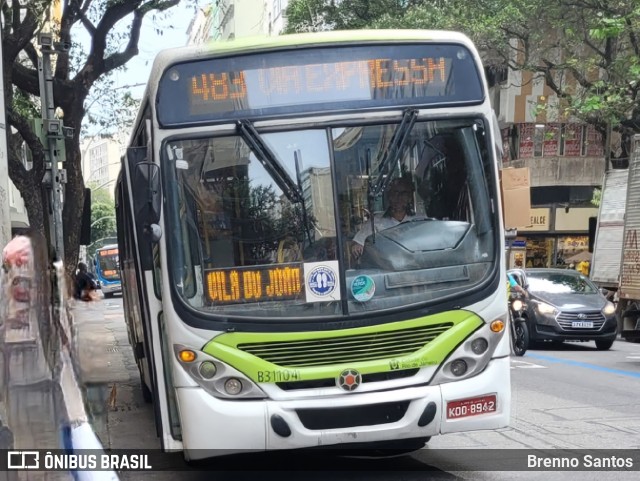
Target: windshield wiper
<point x="395" y="150"/>
<point x="269" y="160"/>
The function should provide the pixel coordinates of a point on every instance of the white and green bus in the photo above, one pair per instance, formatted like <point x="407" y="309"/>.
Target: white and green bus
<point x="279" y="292"/>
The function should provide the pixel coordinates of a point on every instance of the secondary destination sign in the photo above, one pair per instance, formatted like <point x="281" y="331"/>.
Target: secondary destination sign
<point x="254" y="284"/>
<point x="317" y="79"/>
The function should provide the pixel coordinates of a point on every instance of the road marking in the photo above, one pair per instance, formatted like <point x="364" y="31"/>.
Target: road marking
<point x="526" y="365"/>
<point x="586" y="365"/>
<point x="633" y="357"/>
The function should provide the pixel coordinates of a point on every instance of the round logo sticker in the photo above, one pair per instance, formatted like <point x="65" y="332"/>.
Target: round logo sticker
<point x="363" y="288"/>
<point x="322" y="281"/>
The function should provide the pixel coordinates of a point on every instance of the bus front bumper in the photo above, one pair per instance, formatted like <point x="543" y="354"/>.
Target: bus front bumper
<point x="213" y="427"/>
<point x="110" y="288"/>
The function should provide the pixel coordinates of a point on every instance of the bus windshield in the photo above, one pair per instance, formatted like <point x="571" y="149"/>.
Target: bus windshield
<point x="108" y="264"/>
<point x="330" y="221"/>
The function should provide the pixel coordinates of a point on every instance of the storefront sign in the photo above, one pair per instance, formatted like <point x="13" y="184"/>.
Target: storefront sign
<point x="572" y="140"/>
<point x="550" y="142"/>
<point x="527" y="132"/>
<point x="576" y="220"/>
<point x="594" y="142"/>
<point x="539" y="220"/>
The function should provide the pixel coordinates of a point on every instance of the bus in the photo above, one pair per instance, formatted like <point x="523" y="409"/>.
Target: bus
<point x="107" y="268"/>
<point x="277" y="293"/>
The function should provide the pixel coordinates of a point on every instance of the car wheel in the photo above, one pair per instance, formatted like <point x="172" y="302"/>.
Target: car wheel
<point x="603" y="345"/>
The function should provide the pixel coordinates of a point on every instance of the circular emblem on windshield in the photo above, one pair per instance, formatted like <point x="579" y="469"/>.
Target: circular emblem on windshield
<point x="363" y="288"/>
<point x="349" y="379"/>
<point x="322" y="281"/>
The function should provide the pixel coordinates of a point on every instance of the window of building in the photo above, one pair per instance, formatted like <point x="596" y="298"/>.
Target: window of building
<point x="538" y="140"/>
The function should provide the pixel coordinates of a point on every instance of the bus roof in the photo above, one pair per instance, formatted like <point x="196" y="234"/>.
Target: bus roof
<point x="253" y="44"/>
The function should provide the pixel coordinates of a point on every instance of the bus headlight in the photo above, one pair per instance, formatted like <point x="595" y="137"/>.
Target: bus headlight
<point x="233" y="386"/>
<point x="472" y="356"/>
<point x="207" y="369"/>
<point x="458" y="367"/>
<point x="215" y="377"/>
<point x="479" y="345"/>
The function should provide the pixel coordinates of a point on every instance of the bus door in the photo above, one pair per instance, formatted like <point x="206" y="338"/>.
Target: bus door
<point x="144" y="293"/>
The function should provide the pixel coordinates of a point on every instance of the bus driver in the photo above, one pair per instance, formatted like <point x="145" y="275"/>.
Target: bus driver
<point x="400" y="200"/>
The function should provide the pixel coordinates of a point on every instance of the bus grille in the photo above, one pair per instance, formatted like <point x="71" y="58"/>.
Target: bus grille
<point x="350" y="417"/>
<point x="346" y="349"/>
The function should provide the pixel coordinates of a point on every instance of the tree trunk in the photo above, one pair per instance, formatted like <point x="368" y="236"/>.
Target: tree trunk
<point x="73" y="206"/>
<point x="34" y="196"/>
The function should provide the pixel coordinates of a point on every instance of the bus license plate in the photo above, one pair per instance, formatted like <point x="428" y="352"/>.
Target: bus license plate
<point x="471" y="406"/>
<point x="587" y="324"/>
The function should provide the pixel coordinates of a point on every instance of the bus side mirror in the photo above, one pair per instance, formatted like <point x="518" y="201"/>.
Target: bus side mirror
<point x="147" y="198"/>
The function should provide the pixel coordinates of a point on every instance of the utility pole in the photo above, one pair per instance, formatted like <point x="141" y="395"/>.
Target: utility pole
<point x="5" y="219"/>
<point x="52" y="133"/>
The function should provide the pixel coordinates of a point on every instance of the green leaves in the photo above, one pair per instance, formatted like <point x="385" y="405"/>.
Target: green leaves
<point x="608" y="28"/>
<point x="588" y="51"/>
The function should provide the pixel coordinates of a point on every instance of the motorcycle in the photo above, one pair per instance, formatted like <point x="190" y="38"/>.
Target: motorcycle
<point x="518" y="325"/>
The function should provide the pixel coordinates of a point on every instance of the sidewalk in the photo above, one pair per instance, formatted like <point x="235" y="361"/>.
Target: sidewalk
<point x="110" y="377"/>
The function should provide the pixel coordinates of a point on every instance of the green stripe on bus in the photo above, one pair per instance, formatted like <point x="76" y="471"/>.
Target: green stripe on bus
<point x="451" y="327"/>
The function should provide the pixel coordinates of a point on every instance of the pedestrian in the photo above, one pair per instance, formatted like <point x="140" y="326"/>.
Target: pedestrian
<point x="85" y="285"/>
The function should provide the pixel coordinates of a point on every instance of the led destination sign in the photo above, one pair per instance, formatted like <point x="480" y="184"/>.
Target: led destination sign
<point x="317" y="79"/>
<point x="361" y="80"/>
<point x="240" y="284"/>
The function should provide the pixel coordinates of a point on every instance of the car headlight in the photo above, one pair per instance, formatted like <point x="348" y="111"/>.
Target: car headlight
<point x="544" y="308"/>
<point x="215" y="377"/>
<point x="609" y="309"/>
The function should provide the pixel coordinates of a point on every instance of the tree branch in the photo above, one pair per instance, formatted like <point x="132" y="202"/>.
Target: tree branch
<point x="26" y="79"/>
<point x="96" y="65"/>
<point x="26" y="132"/>
<point x="31" y="52"/>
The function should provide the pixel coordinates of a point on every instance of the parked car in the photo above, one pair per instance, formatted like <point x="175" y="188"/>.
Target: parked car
<point x="564" y="305"/>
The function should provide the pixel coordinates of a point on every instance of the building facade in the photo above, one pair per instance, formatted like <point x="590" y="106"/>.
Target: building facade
<point x="566" y="161"/>
<point x="101" y="162"/>
<point x="229" y="19"/>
